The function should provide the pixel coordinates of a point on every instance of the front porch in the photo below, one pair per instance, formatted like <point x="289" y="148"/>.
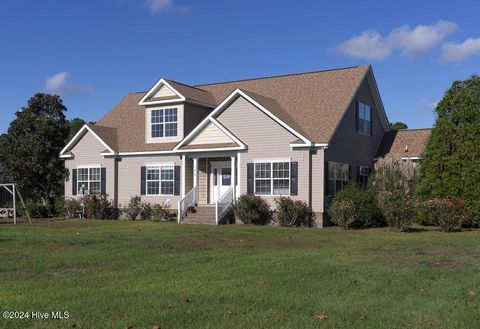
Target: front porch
<point x="211" y="180"/>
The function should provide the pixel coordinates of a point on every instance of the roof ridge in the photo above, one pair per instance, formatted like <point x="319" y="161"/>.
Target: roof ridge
<point x="282" y="75"/>
<point x="411" y="129"/>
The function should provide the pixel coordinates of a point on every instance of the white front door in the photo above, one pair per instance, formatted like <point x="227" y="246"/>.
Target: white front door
<point x="221" y="179"/>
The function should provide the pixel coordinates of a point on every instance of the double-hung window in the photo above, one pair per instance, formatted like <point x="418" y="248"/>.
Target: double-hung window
<point x="363" y="173"/>
<point x="160" y="180"/>
<point x="89" y="180"/>
<point x="272" y="178"/>
<point x="164" y="122"/>
<point x="364" y="119"/>
<point x="338" y="175"/>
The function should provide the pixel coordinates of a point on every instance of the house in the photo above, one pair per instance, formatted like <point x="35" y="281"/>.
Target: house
<point x="300" y="135"/>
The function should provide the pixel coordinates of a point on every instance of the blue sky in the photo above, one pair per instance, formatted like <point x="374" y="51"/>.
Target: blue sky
<point x="94" y="52"/>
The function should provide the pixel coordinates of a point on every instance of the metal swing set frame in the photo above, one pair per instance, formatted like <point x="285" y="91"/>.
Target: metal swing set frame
<point x="12" y="212"/>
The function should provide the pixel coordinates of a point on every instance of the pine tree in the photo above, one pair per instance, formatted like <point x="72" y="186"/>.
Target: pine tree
<point x="450" y="165"/>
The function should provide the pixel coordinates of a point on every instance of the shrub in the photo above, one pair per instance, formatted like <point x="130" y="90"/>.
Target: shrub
<point x="393" y="183"/>
<point x="251" y="209"/>
<point x="134" y="207"/>
<point x="447" y="213"/>
<point x="72" y="205"/>
<point x="293" y="213"/>
<point x="161" y="212"/>
<point x="353" y="208"/>
<point x="97" y="206"/>
<point x="146" y="212"/>
<point x="37" y="209"/>
<point x="57" y="207"/>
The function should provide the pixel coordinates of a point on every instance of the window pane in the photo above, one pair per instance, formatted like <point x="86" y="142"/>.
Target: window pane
<point x="281" y="170"/>
<point x="153" y="187"/>
<point x="281" y="186"/>
<point x="171" y="115"/>
<point x="331" y="187"/>
<point x="263" y="186"/>
<point x="167" y="187"/>
<point x="167" y="173"/>
<point x="82" y="174"/>
<point x="153" y="173"/>
<point x="82" y="188"/>
<point x="94" y="188"/>
<point x="157" y="116"/>
<point x="367" y="113"/>
<point x="157" y="130"/>
<point x="226" y="176"/>
<point x="170" y="129"/>
<point x="263" y="170"/>
<point x="95" y="174"/>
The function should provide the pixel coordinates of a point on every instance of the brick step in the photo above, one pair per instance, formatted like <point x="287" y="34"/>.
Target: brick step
<point x="203" y="215"/>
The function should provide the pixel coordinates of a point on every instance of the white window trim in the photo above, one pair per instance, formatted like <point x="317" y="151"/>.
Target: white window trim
<point x="164" y="123"/>
<point x="159" y="166"/>
<point x="335" y="179"/>
<point x="88" y="181"/>
<point x="360" y="172"/>
<point x="358" y="119"/>
<point x="271" y="177"/>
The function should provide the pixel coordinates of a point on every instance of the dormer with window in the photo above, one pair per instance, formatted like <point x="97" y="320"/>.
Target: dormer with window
<point x="167" y="105"/>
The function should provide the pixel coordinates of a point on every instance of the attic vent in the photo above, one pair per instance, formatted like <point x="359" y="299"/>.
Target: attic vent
<point x="406" y="148"/>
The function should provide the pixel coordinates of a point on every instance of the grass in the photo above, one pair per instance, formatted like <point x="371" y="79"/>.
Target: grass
<point x="111" y="274"/>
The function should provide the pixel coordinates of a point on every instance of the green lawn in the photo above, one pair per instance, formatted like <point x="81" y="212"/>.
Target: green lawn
<point x="111" y="274"/>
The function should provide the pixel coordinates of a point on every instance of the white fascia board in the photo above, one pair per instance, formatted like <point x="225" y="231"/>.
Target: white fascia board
<point x="227" y="100"/>
<point x="314" y="145"/>
<point x="66" y="156"/>
<point x="213" y="150"/>
<point x="77" y="137"/>
<point x="147" y="152"/>
<point x="160" y="82"/>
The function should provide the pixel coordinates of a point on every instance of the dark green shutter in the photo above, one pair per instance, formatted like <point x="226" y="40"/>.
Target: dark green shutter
<point x="143" y="180"/>
<point x="103" y="177"/>
<point x="176" y="187"/>
<point x="356" y="117"/>
<point x="74" y="182"/>
<point x="294" y="178"/>
<point x="250" y="178"/>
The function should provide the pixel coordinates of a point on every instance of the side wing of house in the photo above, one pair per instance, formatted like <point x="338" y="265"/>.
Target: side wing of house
<point x="89" y="169"/>
<point x="352" y="148"/>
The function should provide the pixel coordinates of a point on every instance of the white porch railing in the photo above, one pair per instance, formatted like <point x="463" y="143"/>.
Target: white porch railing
<point x="223" y="205"/>
<point x="190" y="199"/>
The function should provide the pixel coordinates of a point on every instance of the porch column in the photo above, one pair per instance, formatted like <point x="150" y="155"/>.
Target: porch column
<point x="195" y="176"/>
<point x="183" y="178"/>
<point x="233" y="174"/>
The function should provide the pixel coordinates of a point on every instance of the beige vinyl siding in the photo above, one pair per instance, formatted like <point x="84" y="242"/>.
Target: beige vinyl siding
<point x="318" y="185"/>
<point x="87" y="153"/>
<point x="129" y="179"/>
<point x="351" y="147"/>
<point x="266" y="140"/>
<point x="202" y="181"/>
<point x="194" y="114"/>
<point x="211" y="134"/>
<point x="164" y="91"/>
<point x="148" y="126"/>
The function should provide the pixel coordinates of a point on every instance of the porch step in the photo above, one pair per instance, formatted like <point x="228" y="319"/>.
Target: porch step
<point x="203" y="215"/>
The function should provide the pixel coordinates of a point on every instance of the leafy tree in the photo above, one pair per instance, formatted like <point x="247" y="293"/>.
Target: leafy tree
<point x="75" y="125"/>
<point x="450" y="166"/>
<point x="398" y="125"/>
<point x="34" y="141"/>
<point x="3" y="145"/>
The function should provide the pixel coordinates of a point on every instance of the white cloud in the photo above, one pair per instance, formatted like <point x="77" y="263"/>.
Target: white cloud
<point x="429" y="104"/>
<point x="452" y="52"/>
<point x="59" y="84"/>
<point x="157" y="6"/>
<point x="368" y="45"/>
<point x="411" y="42"/>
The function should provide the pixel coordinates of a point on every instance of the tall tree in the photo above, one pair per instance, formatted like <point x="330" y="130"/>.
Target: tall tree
<point x="3" y="154"/>
<point x="75" y="125"/>
<point x="398" y="125"/>
<point x="34" y="141"/>
<point x="451" y="162"/>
